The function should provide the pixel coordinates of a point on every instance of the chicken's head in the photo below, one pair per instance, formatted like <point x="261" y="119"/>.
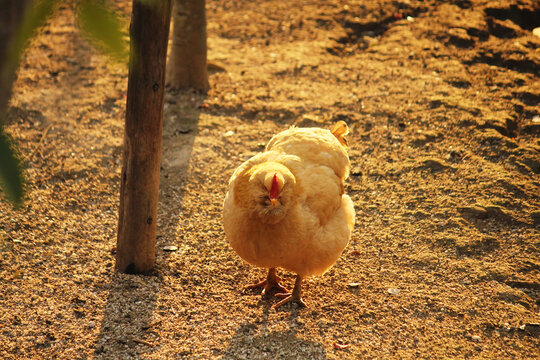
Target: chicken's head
<point x="273" y="186"/>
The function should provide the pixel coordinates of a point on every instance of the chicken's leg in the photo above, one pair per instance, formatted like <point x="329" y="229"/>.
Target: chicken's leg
<point x="295" y="296"/>
<point x="270" y="283"/>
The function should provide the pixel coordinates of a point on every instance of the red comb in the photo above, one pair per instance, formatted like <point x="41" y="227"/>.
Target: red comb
<point x="274" y="191"/>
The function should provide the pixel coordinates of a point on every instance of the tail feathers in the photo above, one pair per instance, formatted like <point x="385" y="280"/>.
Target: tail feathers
<point x="339" y="130"/>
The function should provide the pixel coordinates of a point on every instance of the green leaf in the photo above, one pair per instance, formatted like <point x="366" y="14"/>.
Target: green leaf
<point x="103" y="27"/>
<point x="11" y="179"/>
<point x="36" y="15"/>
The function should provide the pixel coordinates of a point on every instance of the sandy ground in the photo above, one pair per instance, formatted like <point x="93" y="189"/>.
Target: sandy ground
<point x="442" y="100"/>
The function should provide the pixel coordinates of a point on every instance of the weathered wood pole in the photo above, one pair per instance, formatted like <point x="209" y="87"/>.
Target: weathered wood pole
<point x="187" y="68"/>
<point x="149" y="32"/>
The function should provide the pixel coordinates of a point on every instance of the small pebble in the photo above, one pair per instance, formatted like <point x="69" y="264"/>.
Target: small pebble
<point x="339" y="346"/>
<point x="393" y="291"/>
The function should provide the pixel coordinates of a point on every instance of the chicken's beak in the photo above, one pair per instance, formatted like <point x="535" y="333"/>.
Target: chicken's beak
<point x="273" y="202"/>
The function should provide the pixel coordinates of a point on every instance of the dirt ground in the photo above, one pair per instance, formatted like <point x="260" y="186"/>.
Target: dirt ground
<point x="442" y="98"/>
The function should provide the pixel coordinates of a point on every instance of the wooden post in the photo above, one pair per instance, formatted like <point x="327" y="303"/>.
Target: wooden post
<point x="149" y="32"/>
<point x="187" y="62"/>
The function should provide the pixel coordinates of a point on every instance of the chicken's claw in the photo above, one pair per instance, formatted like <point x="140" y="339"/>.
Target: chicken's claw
<point x="294" y="296"/>
<point x="270" y="284"/>
<point x="289" y="297"/>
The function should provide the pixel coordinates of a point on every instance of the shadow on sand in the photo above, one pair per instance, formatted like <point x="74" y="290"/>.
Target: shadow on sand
<point x="256" y="341"/>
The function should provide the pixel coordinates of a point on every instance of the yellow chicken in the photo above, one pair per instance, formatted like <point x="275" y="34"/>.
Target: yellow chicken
<point x="286" y="206"/>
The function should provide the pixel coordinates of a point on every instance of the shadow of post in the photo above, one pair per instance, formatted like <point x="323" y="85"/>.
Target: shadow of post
<point x="180" y="127"/>
<point x="258" y="342"/>
<point x="128" y="314"/>
<point x="132" y="306"/>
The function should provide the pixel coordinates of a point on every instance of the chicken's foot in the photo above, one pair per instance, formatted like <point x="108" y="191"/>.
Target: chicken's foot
<point x="295" y="296"/>
<point x="269" y="284"/>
